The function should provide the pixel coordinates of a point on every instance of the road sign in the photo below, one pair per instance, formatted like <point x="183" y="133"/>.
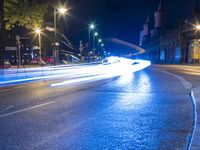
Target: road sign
<point x="13" y="48"/>
<point x="49" y="29"/>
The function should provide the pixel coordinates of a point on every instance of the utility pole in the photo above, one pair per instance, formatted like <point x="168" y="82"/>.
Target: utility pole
<point x="2" y="34"/>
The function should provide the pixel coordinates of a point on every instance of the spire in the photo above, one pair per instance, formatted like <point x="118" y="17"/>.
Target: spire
<point x="147" y="22"/>
<point x="159" y="16"/>
<point x="147" y="26"/>
<point x="160" y="8"/>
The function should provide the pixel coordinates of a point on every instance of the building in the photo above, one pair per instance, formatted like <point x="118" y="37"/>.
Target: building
<point x="18" y="48"/>
<point x="172" y="44"/>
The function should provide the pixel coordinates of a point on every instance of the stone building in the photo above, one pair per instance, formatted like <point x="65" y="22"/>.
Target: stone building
<point x="172" y="44"/>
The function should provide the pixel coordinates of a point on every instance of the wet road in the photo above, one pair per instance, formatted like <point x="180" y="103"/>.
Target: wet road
<point x="144" y="110"/>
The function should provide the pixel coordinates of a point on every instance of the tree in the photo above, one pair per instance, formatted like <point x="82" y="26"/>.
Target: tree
<point x="24" y="13"/>
<point x="8" y="4"/>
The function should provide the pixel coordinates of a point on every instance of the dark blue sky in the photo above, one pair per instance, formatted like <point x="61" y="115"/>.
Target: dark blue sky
<point x="120" y="18"/>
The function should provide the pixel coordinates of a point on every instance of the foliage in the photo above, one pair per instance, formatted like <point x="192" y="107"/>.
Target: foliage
<point x="24" y="13"/>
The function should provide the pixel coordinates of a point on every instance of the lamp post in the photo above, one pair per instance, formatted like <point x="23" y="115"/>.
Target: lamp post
<point x="94" y="41"/>
<point x="99" y="42"/>
<point x="38" y="32"/>
<point x="91" y="27"/>
<point x="55" y="51"/>
<point x="102" y="45"/>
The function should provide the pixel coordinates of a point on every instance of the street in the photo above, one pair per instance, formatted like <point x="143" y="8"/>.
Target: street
<point x="147" y="109"/>
<point x="99" y="75"/>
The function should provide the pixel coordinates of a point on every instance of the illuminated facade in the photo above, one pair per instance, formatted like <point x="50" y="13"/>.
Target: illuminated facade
<point x="171" y="44"/>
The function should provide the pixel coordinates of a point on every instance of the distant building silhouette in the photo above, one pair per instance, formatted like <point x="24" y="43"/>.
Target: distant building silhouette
<point x="172" y="44"/>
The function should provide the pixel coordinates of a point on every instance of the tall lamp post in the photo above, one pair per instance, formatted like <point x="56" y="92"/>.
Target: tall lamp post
<point x="102" y="45"/>
<point x="94" y="40"/>
<point x="91" y="27"/>
<point x="55" y="51"/>
<point x="38" y="32"/>
<point x="99" y="42"/>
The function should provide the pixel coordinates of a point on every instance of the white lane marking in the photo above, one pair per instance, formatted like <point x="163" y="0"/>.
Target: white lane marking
<point x="185" y="83"/>
<point x="26" y="109"/>
<point x="195" y="119"/>
<point x="9" y="107"/>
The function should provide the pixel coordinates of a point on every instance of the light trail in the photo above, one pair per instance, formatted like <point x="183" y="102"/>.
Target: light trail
<point x="114" y="67"/>
<point x="117" y="67"/>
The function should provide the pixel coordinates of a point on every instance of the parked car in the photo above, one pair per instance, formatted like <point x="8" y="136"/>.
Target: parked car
<point x="7" y="64"/>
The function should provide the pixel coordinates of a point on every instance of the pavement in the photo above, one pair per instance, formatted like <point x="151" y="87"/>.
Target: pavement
<point x="148" y="109"/>
<point x="191" y="73"/>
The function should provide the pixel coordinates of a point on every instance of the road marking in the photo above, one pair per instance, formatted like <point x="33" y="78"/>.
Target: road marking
<point x="26" y="109"/>
<point x="194" y="102"/>
<point x="9" y="107"/>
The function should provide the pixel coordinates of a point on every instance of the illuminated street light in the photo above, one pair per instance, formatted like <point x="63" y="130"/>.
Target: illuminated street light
<point x="62" y="11"/>
<point x="91" y="27"/>
<point x="197" y="27"/>
<point x="94" y="40"/>
<point x="102" y="45"/>
<point x="38" y="32"/>
<point x="99" y="42"/>
<point x="96" y="34"/>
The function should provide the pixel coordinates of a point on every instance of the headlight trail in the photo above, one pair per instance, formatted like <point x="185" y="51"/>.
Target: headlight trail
<point x="115" y="67"/>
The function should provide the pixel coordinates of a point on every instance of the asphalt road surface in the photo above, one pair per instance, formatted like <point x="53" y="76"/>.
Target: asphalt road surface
<point x="146" y="110"/>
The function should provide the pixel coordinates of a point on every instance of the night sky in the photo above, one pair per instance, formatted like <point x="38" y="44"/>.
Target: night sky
<point x="122" y="19"/>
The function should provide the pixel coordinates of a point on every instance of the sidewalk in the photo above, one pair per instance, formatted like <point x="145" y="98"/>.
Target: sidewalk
<point x="190" y="73"/>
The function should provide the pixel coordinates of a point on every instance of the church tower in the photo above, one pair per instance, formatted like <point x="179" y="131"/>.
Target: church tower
<point x="159" y="16"/>
<point x="146" y="27"/>
<point x="159" y="25"/>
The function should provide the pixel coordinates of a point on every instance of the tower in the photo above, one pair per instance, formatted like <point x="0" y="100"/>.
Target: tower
<point x="159" y="16"/>
<point x="146" y="27"/>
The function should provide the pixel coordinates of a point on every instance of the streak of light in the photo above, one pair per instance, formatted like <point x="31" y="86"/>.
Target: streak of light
<point x="122" y="67"/>
<point x="76" y="74"/>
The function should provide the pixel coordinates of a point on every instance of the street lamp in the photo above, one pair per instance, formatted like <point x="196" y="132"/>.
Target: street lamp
<point x="197" y="27"/>
<point x="38" y="32"/>
<point x="96" y="34"/>
<point x="62" y="11"/>
<point x="99" y="42"/>
<point x="94" y="41"/>
<point x="91" y="27"/>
